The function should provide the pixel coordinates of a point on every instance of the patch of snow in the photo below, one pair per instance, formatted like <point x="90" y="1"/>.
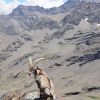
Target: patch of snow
<point x="98" y="24"/>
<point x="86" y="20"/>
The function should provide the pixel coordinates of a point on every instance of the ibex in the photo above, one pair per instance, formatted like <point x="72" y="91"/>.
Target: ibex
<point x="44" y="83"/>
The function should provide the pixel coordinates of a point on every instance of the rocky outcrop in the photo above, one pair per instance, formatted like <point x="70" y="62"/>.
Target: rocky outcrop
<point x="22" y="95"/>
<point x="14" y="95"/>
<point x="4" y="56"/>
<point x="20" y="60"/>
<point x="43" y="23"/>
<point x="13" y="46"/>
<point x="87" y="47"/>
<point x="61" y="31"/>
<point x="27" y="37"/>
<point x="84" y="10"/>
<point x="57" y="34"/>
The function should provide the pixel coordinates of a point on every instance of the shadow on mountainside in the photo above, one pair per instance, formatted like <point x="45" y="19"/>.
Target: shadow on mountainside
<point x="86" y="47"/>
<point x="83" y="91"/>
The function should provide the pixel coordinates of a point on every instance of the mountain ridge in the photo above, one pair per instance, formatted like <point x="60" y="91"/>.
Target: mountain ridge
<point x="89" y="10"/>
<point x="24" y="16"/>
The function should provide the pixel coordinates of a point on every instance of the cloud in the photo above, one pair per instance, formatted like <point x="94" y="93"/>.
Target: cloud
<point x="44" y="3"/>
<point x="7" y="8"/>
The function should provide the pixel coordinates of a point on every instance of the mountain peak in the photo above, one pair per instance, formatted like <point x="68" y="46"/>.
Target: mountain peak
<point x="97" y="1"/>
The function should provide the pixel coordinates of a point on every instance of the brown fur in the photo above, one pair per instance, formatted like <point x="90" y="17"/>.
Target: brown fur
<point x="43" y="82"/>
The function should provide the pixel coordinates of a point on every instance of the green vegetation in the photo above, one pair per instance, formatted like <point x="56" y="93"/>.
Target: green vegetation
<point x="2" y="84"/>
<point x="52" y="55"/>
<point x="94" y="97"/>
<point x="29" y="85"/>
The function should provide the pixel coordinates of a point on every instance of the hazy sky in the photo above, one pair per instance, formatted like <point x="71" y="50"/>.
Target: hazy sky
<point x="6" y="6"/>
<point x="8" y="1"/>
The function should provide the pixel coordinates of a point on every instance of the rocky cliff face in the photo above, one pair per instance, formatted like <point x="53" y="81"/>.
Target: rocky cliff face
<point x="82" y="11"/>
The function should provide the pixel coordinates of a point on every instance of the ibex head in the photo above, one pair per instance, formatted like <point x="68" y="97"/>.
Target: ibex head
<point x="32" y="66"/>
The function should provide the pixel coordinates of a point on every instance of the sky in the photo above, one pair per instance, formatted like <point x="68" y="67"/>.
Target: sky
<point x="6" y="6"/>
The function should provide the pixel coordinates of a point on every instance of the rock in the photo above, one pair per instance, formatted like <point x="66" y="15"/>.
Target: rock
<point x="14" y="95"/>
<point x="27" y="37"/>
<point x="62" y="30"/>
<point x="13" y="46"/>
<point x="87" y="48"/>
<point x="19" y="60"/>
<point x="20" y="95"/>
<point x="43" y="23"/>
<point x="33" y="96"/>
<point x="4" y="56"/>
<point x="57" y="64"/>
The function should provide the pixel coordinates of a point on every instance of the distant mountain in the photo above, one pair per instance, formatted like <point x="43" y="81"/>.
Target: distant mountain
<point x="23" y="17"/>
<point x="97" y="1"/>
<point x="32" y="12"/>
<point x="24" y="10"/>
<point x="89" y="10"/>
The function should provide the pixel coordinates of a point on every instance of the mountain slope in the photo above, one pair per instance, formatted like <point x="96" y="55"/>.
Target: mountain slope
<point x="84" y="10"/>
<point x="68" y="41"/>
